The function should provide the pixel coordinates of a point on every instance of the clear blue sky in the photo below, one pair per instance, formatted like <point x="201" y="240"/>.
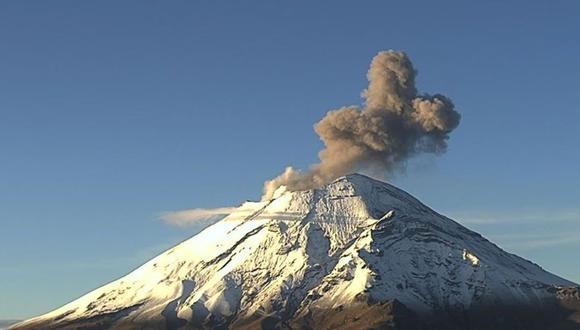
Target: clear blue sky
<point x="114" y="111"/>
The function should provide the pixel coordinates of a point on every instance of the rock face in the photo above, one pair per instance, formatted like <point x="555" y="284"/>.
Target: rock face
<point x="355" y="254"/>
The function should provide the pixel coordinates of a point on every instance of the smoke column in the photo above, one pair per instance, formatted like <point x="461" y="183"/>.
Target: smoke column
<point x="395" y="123"/>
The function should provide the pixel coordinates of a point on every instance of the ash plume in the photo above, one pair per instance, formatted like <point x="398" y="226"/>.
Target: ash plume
<point x="394" y="124"/>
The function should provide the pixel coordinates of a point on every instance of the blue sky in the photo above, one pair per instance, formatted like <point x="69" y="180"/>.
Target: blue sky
<point x="114" y="112"/>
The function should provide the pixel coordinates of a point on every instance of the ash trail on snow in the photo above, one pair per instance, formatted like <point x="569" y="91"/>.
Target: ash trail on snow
<point x="395" y="123"/>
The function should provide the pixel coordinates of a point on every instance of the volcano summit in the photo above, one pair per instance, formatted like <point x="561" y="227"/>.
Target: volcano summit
<point x="356" y="253"/>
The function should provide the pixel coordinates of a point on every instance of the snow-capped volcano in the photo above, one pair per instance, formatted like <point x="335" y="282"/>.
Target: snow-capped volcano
<point x="356" y="253"/>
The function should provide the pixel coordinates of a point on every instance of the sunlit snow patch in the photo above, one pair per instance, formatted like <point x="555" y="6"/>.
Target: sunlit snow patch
<point x="388" y="215"/>
<point x="471" y="257"/>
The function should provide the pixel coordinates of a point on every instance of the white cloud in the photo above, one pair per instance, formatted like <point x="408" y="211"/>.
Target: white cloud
<point x="524" y="230"/>
<point x="499" y="217"/>
<point x="530" y="241"/>
<point x="196" y="216"/>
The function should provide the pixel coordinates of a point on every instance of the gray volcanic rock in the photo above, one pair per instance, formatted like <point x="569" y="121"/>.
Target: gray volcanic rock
<point x="357" y="253"/>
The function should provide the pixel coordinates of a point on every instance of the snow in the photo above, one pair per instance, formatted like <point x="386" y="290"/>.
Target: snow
<point x="471" y="257"/>
<point x="387" y="215"/>
<point x="319" y="248"/>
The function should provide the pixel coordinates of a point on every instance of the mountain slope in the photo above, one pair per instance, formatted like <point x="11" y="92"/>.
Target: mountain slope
<point x="356" y="253"/>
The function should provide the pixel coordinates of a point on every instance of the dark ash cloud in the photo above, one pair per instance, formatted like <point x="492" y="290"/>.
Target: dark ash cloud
<point x="395" y="123"/>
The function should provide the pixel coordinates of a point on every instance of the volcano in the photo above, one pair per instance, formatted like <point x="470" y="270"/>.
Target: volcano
<point x="354" y="254"/>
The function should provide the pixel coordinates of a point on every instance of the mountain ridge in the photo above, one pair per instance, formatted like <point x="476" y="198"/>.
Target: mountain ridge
<point x="355" y="253"/>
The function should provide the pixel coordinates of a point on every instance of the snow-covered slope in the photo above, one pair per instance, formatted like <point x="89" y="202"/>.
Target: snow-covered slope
<point x="357" y="250"/>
